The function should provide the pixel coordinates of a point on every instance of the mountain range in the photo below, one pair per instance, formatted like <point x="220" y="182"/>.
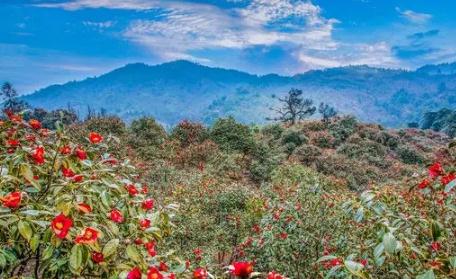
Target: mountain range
<point x="181" y="89"/>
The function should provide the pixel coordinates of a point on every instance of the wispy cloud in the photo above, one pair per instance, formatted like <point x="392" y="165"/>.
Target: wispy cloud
<point x="99" y="24"/>
<point x="414" y="17"/>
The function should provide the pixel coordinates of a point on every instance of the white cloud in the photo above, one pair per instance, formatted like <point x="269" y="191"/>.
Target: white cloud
<point x="99" y="24"/>
<point x="181" y="29"/>
<point x="414" y="17"/>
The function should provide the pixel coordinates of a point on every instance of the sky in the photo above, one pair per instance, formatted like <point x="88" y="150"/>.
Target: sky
<point x="44" y="42"/>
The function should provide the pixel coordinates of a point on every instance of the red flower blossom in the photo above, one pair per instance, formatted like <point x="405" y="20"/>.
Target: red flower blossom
<point x="85" y="208"/>
<point x="150" y="247"/>
<point x="435" y="246"/>
<point x="61" y="225"/>
<point x="448" y="178"/>
<point x="35" y="124"/>
<point x="242" y="269"/>
<point x="135" y="273"/>
<point x="171" y="276"/>
<point x="154" y="273"/>
<point x="144" y="189"/>
<point x="67" y="172"/>
<point x="332" y="263"/>
<point x="65" y="150"/>
<point x="97" y="257"/>
<point x="423" y="184"/>
<point x="78" y="178"/>
<point x="200" y="273"/>
<point x="163" y="267"/>
<point x="95" y="137"/>
<point x="30" y="138"/>
<point x="148" y="204"/>
<point x="88" y="236"/>
<point x="12" y="200"/>
<point x="80" y="153"/>
<point x="273" y="275"/>
<point x="38" y="155"/>
<point x="363" y="262"/>
<point x="144" y="224"/>
<point x="116" y="216"/>
<point x="132" y="190"/>
<point x="435" y="170"/>
<point x="13" y="142"/>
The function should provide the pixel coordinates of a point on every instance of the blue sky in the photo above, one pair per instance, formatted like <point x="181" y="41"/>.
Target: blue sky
<point x="53" y="41"/>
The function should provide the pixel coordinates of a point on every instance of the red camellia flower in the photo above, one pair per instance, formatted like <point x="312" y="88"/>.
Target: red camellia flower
<point x="97" y="257"/>
<point x="150" y="247"/>
<point x="132" y="190"/>
<point x="200" y="273"/>
<point x="148" y="204"/>
<point x="13" y="143"/>
<point x="154" y="273"/>
<point x="273" y="275"/>
<point x="423" y="184"/>
<point x="435" y="246"/>
<point x="95" y="137"/>
<point x="38" y="155"/>
<point x="35" y="124"/>
<point x="363" y="262"/>
<point x="85" y="208"/>
<point x="135" y="273"/>
<point x="80" y="153"/>
<point x="65" y="150"/>
<point x="116" y="216"/>
<point x="88" y="236"/>
<point x="61" y="225"/>
<point x="78" y="178"/>
<point x="144" y="224"/>
<point x="435" y="170"/>
<point x="448" y="178"/>
<point x="242" y="269"/>
<point x="12" y="200"/>
<point x="163" y="267"/>
<point x="67" y="172"/>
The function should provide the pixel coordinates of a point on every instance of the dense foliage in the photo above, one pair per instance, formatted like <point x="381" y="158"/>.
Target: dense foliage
<point x="334" y="198"/>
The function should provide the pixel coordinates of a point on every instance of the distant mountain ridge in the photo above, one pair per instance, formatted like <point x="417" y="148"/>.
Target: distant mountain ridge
<point x="181" y="89"/>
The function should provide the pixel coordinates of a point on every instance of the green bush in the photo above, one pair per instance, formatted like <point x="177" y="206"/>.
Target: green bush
<point x="232" y="136"/>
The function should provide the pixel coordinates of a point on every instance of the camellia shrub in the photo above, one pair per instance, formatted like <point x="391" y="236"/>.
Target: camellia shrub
<point x="401" y="233"/>
<point x="68" y="209"/>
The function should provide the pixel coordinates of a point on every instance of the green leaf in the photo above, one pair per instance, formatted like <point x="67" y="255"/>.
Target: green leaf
<point x="34" y="242"/>
<point x="76" y="258"/>
<point x="452" y="261"/>
<point x="25" y="229"/>
<point x="427" y="275"/>
<point x="27" y="173"/>
<point x="436" y="230"/>
<point x="110" y="247"/>
<point x="450" y="186"/>
<point x="390" y="243"/>
<point x="134" y="254"/>
<point x="326" y="258"/>
<point x="354" y="268"/>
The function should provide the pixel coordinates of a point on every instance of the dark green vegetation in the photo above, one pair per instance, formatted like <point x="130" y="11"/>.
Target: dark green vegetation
<point x="183" y="90"/>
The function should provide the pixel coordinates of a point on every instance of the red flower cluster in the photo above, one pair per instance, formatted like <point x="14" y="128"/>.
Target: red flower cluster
<point x="242" y="269"/>
<point x="273" y="275"/>
<point x="200" y="273"/>
<point x="38" y="155"/>
<point x="35" y="124"/>
<point x="12" y="200"/>
<point x="88" y="236"/>
<point x="95" y="137"/>
<point x="116" y="216"/>
<point x="61" y="225"/>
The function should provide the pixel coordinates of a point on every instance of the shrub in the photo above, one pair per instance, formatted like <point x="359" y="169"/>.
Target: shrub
<point x="292" y="139"/>
<point x="232" y="136"/>
<point x="146" y="136"/>
<point x="409" y="156"/>
<point x="343" y="129"/>
<point x="70" y="209"/>
<point x="187" y="133"/>
<point x="307" y="154"/>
